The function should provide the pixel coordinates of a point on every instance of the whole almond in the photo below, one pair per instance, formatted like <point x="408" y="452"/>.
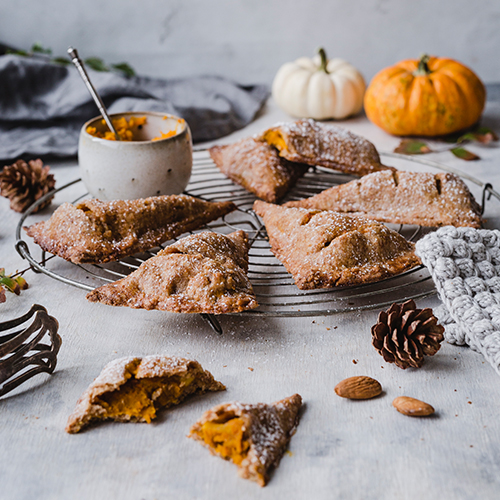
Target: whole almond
<point x="412" y="407"/>
<point x="360" y="387"/>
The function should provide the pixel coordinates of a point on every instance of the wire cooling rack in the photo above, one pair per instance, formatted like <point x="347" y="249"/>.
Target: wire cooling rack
<point x="274" y="287"/>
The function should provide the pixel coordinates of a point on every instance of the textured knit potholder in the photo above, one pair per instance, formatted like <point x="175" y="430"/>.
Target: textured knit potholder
<point x="465" y="266"/>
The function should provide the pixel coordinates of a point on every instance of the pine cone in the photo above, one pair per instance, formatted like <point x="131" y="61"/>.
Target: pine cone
<point x="24" y="183"/>
<point x="404" y="334"/>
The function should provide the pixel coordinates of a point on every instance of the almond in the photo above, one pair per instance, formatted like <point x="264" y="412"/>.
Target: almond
<point x="412" y="407"/>
<point x="360" y="387"/>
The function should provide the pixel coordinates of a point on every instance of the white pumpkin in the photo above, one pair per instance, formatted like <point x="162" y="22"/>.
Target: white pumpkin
<point x="319" y="88"/>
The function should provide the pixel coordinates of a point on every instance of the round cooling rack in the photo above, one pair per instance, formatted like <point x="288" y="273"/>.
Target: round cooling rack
<point x="274" y="287"/>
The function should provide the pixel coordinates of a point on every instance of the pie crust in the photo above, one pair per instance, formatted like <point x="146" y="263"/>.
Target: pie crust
<point x="253" y="436"/>
<point x="95" y="231"/>
<point x="201" y="273"/>
<point x="315" y="143"/>
<point x="133" y="390"/>
<point x="402" y="197"/>
<point x="258" y="168"/>
<point x="323" y="249"/>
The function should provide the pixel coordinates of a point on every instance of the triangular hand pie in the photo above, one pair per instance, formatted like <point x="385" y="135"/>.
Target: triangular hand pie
<point x="258" y="168"/>
<point x="134" y="389"/>
<point x="402" y="197"/>
<point x="253" y="436"/>
<point x="323" y="249"/>
<point x="96" y="231"/>
<point x="201" y="273"/>
<point x="315" y="143"/>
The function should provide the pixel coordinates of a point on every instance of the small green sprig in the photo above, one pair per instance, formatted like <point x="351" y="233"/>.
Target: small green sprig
<point x="96" y="63"/>
<point x="14" y="285"/>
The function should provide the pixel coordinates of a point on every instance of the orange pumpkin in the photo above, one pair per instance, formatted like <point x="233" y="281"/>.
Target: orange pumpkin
<point x="427" y="97"/>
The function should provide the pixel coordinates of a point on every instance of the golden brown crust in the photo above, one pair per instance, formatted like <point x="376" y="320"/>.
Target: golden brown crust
<point x="95" y="231"/>
<point x="258" y="168"/>
<point x="315" y="143"/>
<point x="120" y="372"/>
<point x="323" y="249"/>
<point x="201" y="273"/>
<point x="402" y="197"/>
<point x="268" y="427"/>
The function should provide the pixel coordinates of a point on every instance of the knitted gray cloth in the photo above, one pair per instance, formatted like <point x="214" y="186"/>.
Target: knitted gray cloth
<point x="465" y="266"/>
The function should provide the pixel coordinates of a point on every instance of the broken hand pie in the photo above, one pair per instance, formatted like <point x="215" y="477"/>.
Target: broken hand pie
<point x="401" y="197"/>
<point x="257" y="167"/>
<point x="323" y="249"/>
<point x="95" y="231"/>
<point x="134" y="389"/>
<point x="315" y="143"/>
<point x="253" y="436"/>
<point x="201" y="273"/>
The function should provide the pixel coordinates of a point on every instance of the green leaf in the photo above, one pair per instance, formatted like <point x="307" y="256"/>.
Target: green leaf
<point x="469" y="136"/>
<point x="61" y="60"/>
<point x="412" y="147"/>
<point x="10" y="284"/>
<point x="37" y="48"/>
<point x="14" y="285"/>
<point x="125" y="68"/>
<point x="484" y="135"/>
<point x="22" y="283"/>
<point x="17" y="52"/>
<point x="96" y="63"/>
<point x="464" y="154"/>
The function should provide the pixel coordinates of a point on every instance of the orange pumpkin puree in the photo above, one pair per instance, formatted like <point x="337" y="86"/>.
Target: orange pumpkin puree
<point x="170" y="133"/>
<point x="226" y="439"/>
<point x="139" y="399"/>
<point x="124" y="128"/>
<point x="127" y="129"/>
<point x="274" y="138"/>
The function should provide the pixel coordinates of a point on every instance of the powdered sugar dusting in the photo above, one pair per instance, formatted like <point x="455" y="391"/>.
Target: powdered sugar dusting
<point x="324" y="249"/>
<point x="327" y="145"/>
<point x="257" y="167"/>
<point x="401" y="197"/>
<point x="200" y="273"/>
<point x="95" y="231"/>
<point x="268" y="427"/>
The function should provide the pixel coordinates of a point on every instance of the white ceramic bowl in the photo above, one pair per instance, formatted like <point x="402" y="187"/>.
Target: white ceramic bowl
<point x="127" y="170"/>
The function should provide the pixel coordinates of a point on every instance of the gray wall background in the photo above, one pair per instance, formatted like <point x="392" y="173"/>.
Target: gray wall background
<point x="248" y="40"/>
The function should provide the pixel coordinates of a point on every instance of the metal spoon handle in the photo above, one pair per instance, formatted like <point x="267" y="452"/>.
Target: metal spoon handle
<point x="75" y="59"/>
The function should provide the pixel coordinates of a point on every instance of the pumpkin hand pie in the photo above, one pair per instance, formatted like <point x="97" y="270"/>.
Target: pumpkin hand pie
<point x="253" y="436"/>
<point x="315" y="143"/>
<point x="323" y="249"/>
<point x="135" y="389"/>
<point x="201" y="273"/>
<point x="258" y="168"/>
<point x="95" y="231"/>
<point x="401" y="197"/>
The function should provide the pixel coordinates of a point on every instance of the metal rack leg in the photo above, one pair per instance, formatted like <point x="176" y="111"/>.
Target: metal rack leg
<point x="213" y="321"/>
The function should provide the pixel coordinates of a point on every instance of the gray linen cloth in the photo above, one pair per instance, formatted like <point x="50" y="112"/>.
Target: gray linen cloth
<point x="43" y="105"/>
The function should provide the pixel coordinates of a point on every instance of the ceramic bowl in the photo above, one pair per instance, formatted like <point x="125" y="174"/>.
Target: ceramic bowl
<point x="126" y="170"/>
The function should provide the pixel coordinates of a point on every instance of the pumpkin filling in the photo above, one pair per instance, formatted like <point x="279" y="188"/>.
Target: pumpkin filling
<point x="140" y="399"/>
<point x="275" y="138"/>
<point x="226" y="439"/>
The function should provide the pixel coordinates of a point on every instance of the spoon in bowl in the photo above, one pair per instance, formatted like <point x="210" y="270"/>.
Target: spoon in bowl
<point x="75" y="59"/>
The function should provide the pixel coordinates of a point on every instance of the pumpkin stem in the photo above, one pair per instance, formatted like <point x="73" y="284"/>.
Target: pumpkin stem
<point x="324" y="60"/>
<point x="423" y="66"/>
